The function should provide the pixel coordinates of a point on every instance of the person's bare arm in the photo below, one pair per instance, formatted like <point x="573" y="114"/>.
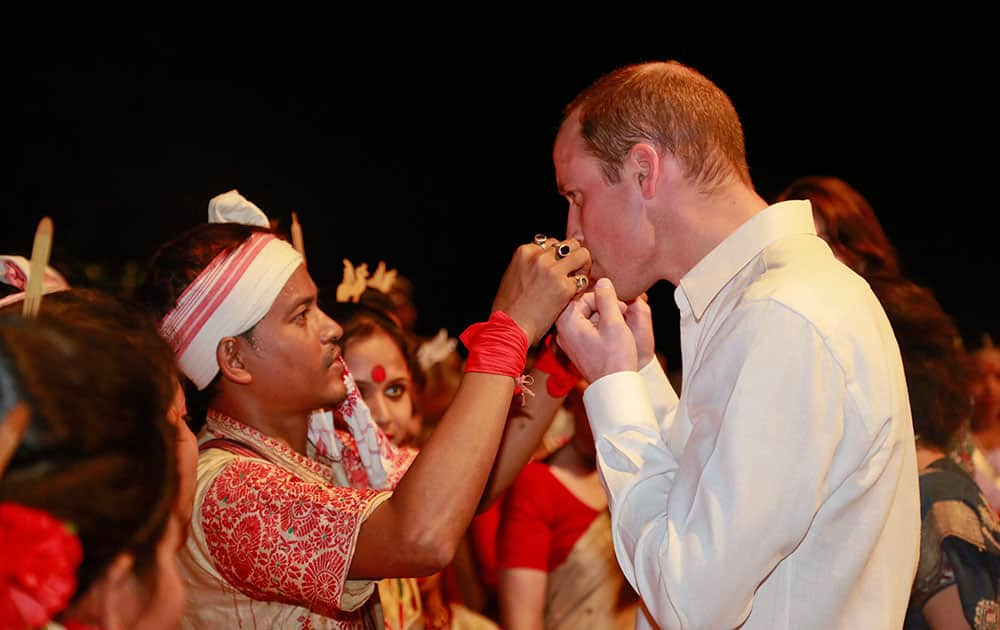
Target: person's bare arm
<point x="526" y="424"/>
<point x="943" y="610"/>
<point x="416" y="531"/>
<point x="522" y="598"/>
<point x="472" y="591"/>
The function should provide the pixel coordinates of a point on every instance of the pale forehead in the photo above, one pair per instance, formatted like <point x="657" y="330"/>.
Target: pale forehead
<point x="377" y="347"/>
<point x="569" y="147"/>
<point x="568" y="140"/>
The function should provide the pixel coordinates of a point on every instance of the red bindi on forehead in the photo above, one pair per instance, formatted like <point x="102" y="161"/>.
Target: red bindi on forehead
<point x="378" y="373"/>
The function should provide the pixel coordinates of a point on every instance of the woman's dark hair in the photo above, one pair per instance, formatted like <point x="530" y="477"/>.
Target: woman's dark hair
<point x="173" y="267"/>
<point x="100" y="311"/>
<point x="98" y="451"/>
<point x="854" y="231"/>
<point x="936" y="365"/>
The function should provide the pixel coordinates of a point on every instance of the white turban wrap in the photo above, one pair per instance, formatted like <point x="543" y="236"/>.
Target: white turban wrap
<point x="232" y="207"/>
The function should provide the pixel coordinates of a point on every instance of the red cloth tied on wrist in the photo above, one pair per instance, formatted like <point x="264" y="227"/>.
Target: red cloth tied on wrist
<point x="563" y="375"/>
<point x="496" y="346"/>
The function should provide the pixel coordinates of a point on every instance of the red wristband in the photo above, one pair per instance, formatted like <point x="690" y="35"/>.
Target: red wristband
<point x="496" y="346"/>
<point x="563" y="375"/>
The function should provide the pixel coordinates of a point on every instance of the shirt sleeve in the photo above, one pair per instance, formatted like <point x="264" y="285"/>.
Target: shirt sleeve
<point x="697" y="533"/>
<point x="662" y="397"/>
<point x="524" y="539"/>
<point x="277" y="538"/>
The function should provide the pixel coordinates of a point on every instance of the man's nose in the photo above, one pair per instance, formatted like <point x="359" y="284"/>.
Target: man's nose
<point x="573" y="229"/>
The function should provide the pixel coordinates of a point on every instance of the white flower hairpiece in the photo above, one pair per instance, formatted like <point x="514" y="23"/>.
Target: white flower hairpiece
<point x="354" y="283"/>
<point x="436" y="349"/>
<point x="357" y="279"/>
<point x="382" y="279"/>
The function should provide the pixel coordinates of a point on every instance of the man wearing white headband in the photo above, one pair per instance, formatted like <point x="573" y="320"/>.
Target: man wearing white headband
<point x="301" y="501"/>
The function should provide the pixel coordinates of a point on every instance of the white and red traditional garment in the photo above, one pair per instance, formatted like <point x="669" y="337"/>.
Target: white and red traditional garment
<point x="273" y="531"/>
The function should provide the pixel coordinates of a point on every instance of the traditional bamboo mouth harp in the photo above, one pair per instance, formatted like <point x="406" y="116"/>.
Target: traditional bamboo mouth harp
<point x="40" y="251"/>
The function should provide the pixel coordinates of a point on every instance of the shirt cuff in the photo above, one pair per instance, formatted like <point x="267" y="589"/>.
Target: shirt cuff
<point x="653" y="371"/>
<point x="618" y="400"/>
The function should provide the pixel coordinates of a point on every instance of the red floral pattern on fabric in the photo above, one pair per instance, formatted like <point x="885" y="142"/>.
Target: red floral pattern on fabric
<point x="346" y="408"/>
<point x="353" y="467"/>
<point x="273" y="446"/>
<point x="277" y="538"/>
<point x="399" y="462"/>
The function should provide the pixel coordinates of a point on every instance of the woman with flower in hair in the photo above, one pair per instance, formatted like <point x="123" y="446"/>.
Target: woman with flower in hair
<point x="381" y="357"/>
<point x="88" y="482"/>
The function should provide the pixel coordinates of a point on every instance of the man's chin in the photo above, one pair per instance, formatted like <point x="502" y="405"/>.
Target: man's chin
<point x="627" y="289"/>
<point x="621" y="288"/>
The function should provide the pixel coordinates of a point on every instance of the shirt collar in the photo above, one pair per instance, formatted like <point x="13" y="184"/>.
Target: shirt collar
<point x="706" y="279"/>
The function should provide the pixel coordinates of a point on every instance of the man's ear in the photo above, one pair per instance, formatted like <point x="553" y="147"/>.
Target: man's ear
<point x="643" y="167"/>
<point x="228" y="354"/>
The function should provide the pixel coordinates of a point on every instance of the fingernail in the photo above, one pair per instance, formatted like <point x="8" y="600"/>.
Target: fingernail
<point x="603" y="283"/>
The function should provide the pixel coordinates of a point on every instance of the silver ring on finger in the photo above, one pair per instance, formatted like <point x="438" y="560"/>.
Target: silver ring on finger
<point x="563" y="250"/>
<point x="541" y="240"/>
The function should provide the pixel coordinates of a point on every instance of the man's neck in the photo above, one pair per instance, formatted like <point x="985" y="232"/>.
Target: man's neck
<point x="700" y="222"/>
<point x="291" y="429"/>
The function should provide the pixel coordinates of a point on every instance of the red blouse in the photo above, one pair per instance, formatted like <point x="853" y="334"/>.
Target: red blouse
<point x="541" y="521"/>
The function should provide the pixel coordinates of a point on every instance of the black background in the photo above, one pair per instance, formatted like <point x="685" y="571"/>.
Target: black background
<point x="429" y="148"/>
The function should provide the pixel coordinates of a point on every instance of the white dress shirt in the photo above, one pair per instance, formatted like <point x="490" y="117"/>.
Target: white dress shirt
<point x="780" y="490"/>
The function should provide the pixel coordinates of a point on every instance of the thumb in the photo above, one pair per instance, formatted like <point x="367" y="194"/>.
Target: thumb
<point x="607" y="301"/>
